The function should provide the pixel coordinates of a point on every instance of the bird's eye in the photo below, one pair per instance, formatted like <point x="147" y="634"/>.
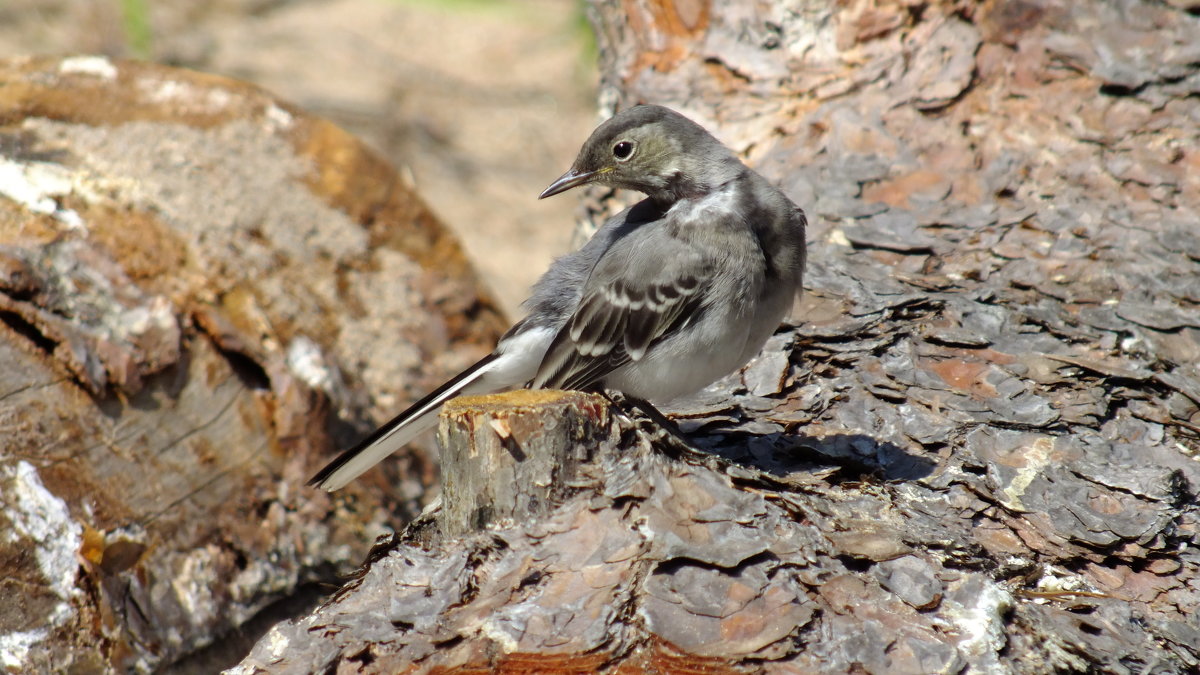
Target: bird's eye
<point x="623" y="151"/>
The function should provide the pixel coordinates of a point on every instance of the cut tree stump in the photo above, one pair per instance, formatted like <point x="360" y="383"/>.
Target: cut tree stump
<point x="509" y="458"/>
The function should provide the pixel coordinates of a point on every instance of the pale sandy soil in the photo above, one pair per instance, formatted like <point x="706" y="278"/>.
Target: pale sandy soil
<point x="481" y="102"/>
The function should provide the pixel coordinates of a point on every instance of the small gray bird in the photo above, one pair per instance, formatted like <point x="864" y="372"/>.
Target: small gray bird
<point x="668" y="296"/>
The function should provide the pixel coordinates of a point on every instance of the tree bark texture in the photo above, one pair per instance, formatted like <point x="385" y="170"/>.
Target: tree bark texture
<point x="190" y="283"/>
<point x="975" y="449"/>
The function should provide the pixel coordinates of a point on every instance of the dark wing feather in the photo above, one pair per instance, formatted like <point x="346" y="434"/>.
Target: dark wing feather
<point x="613" y="325"/>
<point x="590" y="371"/>
<point x="595" y="328"/>
<point x="665" y="308"/>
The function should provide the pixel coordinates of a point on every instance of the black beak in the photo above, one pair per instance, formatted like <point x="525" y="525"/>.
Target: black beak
<point x="567" y="181"/>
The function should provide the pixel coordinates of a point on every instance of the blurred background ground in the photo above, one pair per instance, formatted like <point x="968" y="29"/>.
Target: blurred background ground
<point x="481" y="102"/>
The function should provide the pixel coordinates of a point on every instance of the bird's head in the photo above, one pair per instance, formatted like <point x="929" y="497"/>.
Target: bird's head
<point x="653" y="150"/>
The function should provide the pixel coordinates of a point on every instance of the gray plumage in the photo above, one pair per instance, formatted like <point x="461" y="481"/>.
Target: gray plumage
<point x="668" y="296"/>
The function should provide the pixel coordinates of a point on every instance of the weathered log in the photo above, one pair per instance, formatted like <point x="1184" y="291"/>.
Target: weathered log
<point x="190" y="274"/>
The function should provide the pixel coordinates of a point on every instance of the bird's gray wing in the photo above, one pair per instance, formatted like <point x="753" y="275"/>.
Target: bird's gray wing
<point x="642" y="289"/>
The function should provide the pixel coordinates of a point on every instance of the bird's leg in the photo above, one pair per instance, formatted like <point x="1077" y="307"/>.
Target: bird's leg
<point x="673" y="436"/>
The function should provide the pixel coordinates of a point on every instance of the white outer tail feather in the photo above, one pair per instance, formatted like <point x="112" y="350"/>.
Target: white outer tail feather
<point x="403" y="431"/>
<point x="516" y="360"/>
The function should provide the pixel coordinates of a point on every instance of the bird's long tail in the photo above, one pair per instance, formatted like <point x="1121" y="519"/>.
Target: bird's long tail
<point x="404" y="427"/>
